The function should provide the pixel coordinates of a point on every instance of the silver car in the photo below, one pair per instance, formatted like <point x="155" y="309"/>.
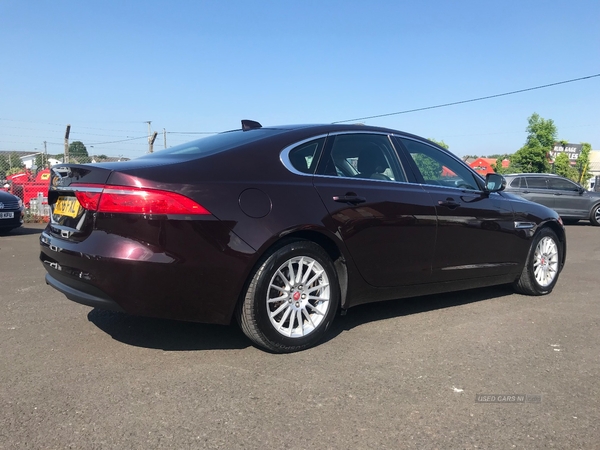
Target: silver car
<point x="567" y="198"/>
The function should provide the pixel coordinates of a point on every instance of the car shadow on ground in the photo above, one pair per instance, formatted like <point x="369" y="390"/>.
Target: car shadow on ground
<point x="25" y="230"/>
<point x="373" y="312"/>
<point x="170" y="335"/>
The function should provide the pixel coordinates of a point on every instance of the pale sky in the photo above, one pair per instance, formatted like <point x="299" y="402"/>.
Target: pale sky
<point x="107" y="67"/>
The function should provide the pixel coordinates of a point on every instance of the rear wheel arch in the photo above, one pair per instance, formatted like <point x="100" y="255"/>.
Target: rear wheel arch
<point x="329" y="246"/>
<point x="291" y="296"/>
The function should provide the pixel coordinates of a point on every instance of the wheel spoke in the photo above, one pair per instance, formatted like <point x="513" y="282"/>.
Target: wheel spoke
<point x="278" y="310"/>
<point x="279" y="288"/>
<point x="316" y="288"/>
<point x="299" y="273"/>
<point x="283" y="318"/>
<point x="283" y="278"/>
<point x="308" y="272"/>
<point x="318" y="273"/>
<point x="314" y="309"/>
<point x="291" y="326"/>
<point x="291" y="273"/>
<point x="307" y="315"/>
<point x="300" y="321"/>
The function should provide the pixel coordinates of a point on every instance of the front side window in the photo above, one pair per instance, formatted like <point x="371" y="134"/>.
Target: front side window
<point x="562" y="185"/>
<point x="439" y="168"/>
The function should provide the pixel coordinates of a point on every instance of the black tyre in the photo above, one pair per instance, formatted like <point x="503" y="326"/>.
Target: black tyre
<point x="595" y="216"/>
<point x="543" y="264"/>
<point x="291" y="299"/>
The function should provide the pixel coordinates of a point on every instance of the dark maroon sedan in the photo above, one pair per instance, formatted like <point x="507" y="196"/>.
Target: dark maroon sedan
<point x="282" y="226"/>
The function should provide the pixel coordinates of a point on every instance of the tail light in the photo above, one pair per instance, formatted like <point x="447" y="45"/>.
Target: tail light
<point x="133" y="200"/>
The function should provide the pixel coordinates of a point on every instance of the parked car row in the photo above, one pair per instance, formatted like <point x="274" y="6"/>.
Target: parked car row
<point x="11" y="212"/>
<point x="571" y="201"/>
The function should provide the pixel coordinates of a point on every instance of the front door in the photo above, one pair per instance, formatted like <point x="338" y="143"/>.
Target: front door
<point x="476" y="232"/>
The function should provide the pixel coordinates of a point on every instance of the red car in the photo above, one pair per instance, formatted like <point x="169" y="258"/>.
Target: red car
<point x="281" y="227"/>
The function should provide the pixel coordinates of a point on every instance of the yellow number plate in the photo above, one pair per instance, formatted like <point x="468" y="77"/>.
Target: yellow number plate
<point x="67" y="206"/>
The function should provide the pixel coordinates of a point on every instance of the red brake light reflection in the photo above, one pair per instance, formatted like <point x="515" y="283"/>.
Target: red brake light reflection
<point x="130" y="200"/>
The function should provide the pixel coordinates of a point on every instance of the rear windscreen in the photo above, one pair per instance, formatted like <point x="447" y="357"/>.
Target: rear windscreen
<point x="214" y="144"/>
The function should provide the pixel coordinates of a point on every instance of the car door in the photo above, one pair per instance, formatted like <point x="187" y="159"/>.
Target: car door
<point x="569" y="200"/>
<point x="536" y="190"/>
<point x="476" y="231"/>
<point x="387" y="224"/>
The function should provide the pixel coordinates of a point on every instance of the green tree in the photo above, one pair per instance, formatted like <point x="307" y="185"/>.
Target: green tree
<point x="583" y="163"/>
<point x="78" y="151"/>
<point x="563" y="167"/>
<point x="533" y="156"/>
<point x="498" y="168"/>
<point x="440" y="143"/>
<point x="429" y="168"/>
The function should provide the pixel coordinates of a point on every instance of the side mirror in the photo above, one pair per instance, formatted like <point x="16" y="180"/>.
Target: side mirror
<point x="494" y="182"/>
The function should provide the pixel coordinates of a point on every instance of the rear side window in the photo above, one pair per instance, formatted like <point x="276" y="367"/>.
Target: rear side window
<point x="536" y="183"/>
<point x="304" y="158"/>
<point x="516" y="183"/>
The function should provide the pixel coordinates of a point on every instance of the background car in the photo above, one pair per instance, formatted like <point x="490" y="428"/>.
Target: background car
<point x="11" y="212"/>
<point x="280" y="227"/>
<point x="571" y="201"/>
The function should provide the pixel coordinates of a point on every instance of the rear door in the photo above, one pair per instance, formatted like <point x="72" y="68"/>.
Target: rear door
<point x="536" y="190"/>
<point x="387" y="223"/>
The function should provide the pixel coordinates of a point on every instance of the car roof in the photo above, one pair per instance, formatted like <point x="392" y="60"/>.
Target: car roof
<point x="532" y="175"/>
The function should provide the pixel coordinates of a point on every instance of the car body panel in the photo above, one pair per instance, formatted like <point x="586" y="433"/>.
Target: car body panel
<point x="399" y="242"/>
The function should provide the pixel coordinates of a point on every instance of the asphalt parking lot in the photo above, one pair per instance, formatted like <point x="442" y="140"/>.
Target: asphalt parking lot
<point x="403" y="374"/>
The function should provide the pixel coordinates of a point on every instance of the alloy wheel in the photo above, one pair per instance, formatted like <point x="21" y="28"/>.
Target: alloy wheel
<point x="545" y="261"/>
<point x="298" y="297"/>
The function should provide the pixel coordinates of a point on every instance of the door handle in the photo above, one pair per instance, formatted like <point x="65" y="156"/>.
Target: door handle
<point x="449" y="203"/>
<point x="558" y="193"/>
<point x="352" y="199"/>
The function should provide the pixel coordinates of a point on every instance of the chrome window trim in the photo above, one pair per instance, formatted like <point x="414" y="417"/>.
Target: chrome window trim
<point x="284" y="155"/>
<point x="285" y="158"/>
<point x="77" y="188"/>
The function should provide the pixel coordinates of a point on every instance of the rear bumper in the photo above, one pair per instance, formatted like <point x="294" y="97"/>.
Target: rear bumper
<point x="191" y="271"/>
<point x="81" y="296"/>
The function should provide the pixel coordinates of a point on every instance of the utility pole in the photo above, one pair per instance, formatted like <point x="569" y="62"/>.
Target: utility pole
<point x="66" y="157"/>
<point x="45" y="157"/>
<point x="165" y="137"/>
<point x="151" y="142"/>
<point x="149" y="136"/>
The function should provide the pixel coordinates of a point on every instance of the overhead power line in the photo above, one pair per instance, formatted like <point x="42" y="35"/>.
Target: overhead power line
<point x="469" y="101"/>
<point x="122" y="140"/>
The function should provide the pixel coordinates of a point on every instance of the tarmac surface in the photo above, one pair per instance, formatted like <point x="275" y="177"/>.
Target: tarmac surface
<point x="436" y="372"/>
